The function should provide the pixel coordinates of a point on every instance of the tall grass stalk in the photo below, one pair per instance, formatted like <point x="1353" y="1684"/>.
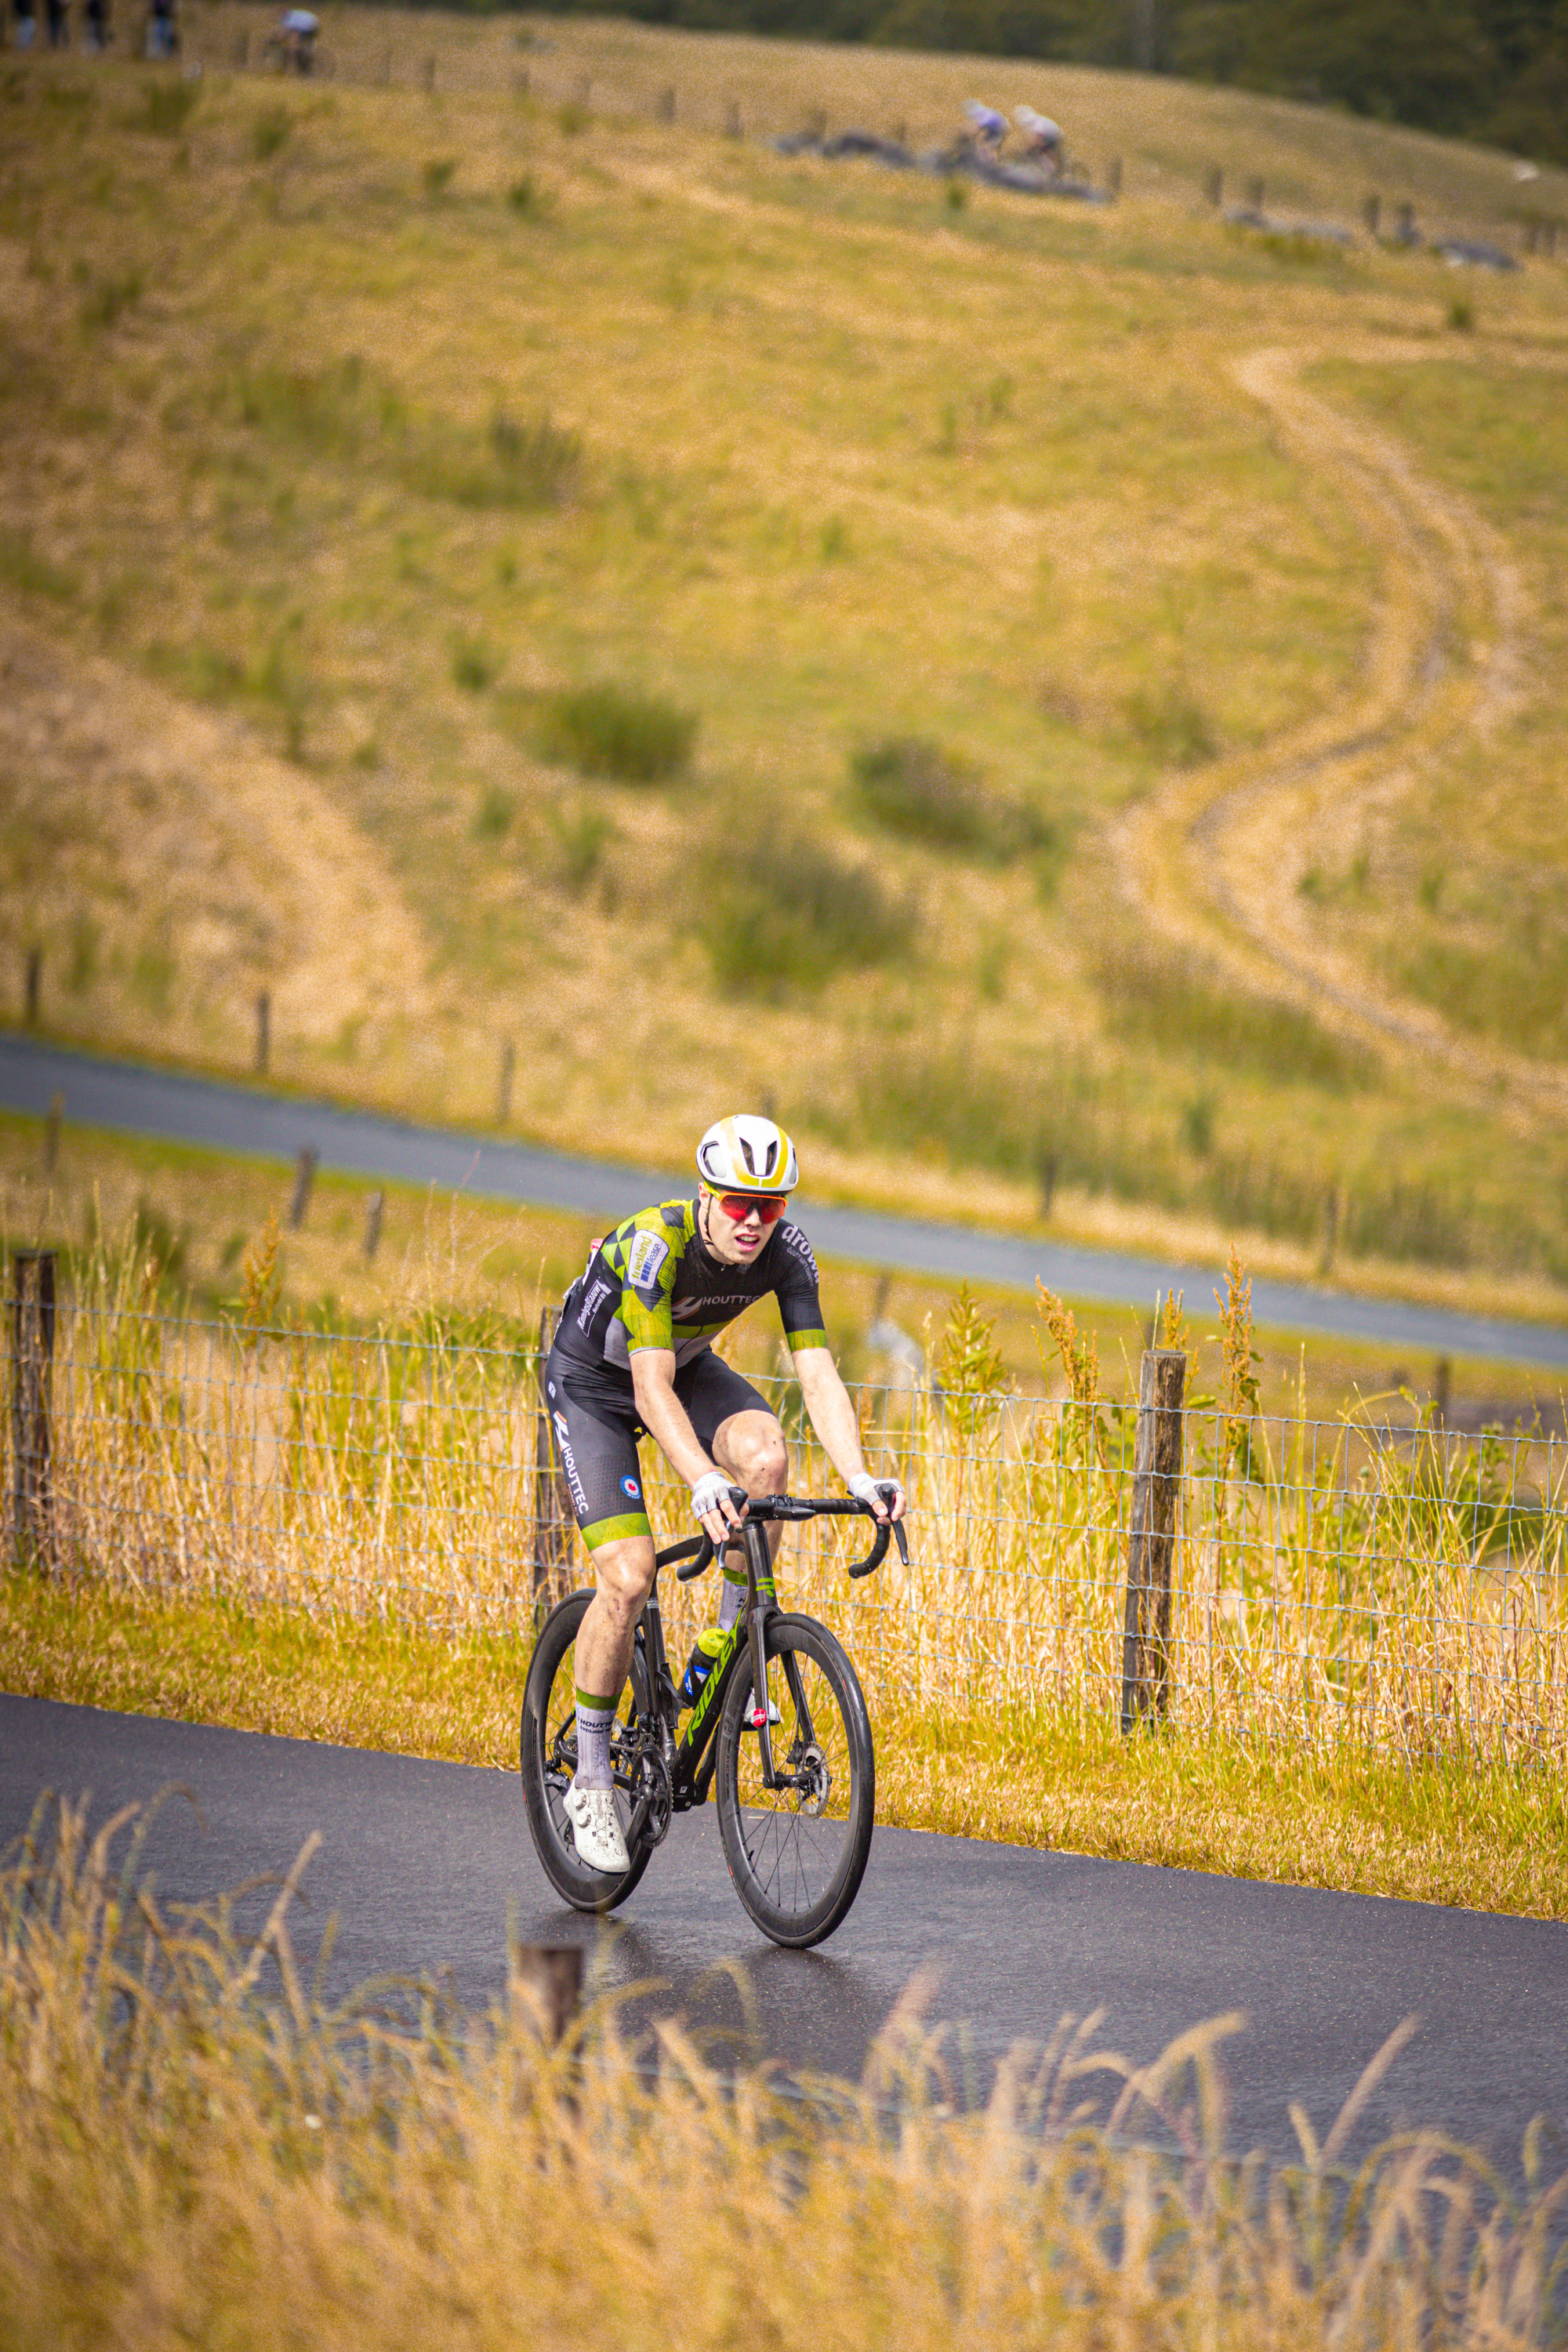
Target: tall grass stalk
<point x="194" y="2147"/>
<point x="1336" y="1583"/>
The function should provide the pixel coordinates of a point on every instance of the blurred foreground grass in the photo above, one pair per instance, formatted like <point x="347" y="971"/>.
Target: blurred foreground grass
<point x="194" y="2150"/>
<point x="1477" y="1834"/>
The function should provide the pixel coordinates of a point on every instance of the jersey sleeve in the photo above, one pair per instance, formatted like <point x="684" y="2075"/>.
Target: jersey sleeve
<point x="646" y="1255"/>
<point x="796" y="1286"/>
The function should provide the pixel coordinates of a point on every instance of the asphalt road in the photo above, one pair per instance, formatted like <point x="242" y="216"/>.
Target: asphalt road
<point x="129" y="1098"/>
<point x="421" y="1861"/>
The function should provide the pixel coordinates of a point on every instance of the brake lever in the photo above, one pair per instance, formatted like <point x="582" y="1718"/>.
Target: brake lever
<point x="703" y="1546"/>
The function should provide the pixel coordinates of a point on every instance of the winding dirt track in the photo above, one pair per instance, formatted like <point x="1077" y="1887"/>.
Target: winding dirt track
<point x="1214" y="857"/>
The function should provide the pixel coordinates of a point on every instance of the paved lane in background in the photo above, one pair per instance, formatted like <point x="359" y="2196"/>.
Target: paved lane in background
<point x="130" y="1099"/>
<point x="420" y="1862"/>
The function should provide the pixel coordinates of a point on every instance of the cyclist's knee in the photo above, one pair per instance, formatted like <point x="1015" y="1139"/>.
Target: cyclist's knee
<point x="623" y="1573"/>
<point x="753" y="1448"/>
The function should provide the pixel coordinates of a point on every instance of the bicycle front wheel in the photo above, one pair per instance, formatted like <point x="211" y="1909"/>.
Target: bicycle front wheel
<point x="797" y="1853"/>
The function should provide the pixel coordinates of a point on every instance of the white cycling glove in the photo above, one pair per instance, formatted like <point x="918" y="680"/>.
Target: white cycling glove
<point x="708" y="1494"/>
<point x="867" y="1489"/>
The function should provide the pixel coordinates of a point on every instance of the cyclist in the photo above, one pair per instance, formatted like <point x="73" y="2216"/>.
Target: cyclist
<point x="633" y="1357"/>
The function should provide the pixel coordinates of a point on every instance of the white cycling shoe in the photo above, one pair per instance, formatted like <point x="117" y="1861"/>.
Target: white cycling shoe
<point x="596" y="1830"/>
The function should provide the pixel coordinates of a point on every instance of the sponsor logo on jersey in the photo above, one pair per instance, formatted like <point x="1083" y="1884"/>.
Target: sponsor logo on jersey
<point x="568" y="1464"/>
<point x="631" y="1490"/>
<point x="794" y="1241"/>
<point x="598" y="1291"/>
<point x="644" y="1259"/>
<point x="685" y="1310"/>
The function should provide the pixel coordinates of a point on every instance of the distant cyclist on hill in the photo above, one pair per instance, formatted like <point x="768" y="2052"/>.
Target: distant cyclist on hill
<point x="634" y="1357"/>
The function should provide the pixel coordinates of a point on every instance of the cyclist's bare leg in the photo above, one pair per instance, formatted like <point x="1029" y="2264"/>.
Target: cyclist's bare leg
<point x="750" y="1447"/>
<point x="623" y="1577"/>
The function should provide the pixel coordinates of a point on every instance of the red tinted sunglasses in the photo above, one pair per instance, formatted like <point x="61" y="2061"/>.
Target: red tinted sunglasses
<point x="738" y="1206"/>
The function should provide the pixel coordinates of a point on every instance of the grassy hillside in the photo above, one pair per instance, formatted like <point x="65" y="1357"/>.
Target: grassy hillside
<point x="486" y="563"/>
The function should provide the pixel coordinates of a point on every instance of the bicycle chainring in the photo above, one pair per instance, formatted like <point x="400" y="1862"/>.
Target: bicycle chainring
<point x="654" y="1784"/>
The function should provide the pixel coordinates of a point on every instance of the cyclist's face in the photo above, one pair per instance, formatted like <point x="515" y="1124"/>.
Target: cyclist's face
<point x="736" y="1241"/>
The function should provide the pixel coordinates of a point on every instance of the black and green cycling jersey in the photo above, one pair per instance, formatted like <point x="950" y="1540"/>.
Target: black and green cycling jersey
<point x="655" y="1283"/>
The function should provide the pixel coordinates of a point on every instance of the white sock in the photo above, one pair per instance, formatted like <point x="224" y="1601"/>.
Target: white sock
<point x="595" y="1717"/>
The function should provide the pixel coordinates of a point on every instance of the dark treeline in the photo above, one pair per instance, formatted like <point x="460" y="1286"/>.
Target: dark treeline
<point x="1489" y="69"/>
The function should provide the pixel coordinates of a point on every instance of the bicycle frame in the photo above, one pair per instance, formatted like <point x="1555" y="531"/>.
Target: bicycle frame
<point x="690" y="1758"/>
<point x="687" y="1760"/>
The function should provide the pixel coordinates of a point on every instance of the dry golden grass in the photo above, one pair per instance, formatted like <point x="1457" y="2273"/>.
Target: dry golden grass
<point x="194" y="2150"/>
<point x="853" y="464"/>
<point x="463" y="1258"/>
<point x="1485" y="1838"/>
<point x="1338" y="1587"/>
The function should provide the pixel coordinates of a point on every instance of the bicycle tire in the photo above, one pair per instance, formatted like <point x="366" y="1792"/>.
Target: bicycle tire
<point x="584" y="1889"/>
<point x="795" y="1883"/>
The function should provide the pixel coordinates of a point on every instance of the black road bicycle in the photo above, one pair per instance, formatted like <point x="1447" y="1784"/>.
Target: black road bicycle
<point x="780" y="1723"/>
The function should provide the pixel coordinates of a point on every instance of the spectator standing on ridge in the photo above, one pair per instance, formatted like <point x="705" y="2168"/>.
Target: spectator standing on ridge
<point x="26" y="25"/>
<point x="162" y="33"/>
<point x="1042" y="136"/>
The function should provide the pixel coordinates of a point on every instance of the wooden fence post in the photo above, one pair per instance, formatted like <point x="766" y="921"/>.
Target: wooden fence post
<point x="1214" y="187"/>
<point x="1151" y="1551"/>
<point x="504" y="1084"/>
<point x="555" y="1520"/>
<point x="33" y="984"/>
<point x="549" y="1979"/>
<point x="263" y="1032"/>
<point x="32" y="1360"/>
<point x="375" y="1210"/>
<point x="667" y="104"/>
<point x="304" y="1177"/>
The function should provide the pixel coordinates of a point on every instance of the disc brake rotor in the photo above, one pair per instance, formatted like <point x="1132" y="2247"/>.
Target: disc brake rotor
<point x="815" y="1782"/>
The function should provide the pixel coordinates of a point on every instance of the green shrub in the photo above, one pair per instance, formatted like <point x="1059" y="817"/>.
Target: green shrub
<point x="21" y="566"/>
<point x="603" y="731"/>
<point x="783" y="911"/>
<point x="336" y="411"/>
<point x="1171" y="724"/>
<point x="582" y="836"/>
<point x="573" y="118"/>
<point x="526" y="197"/>
<point x="475" y="664"/>
<point x="436" y="177"/>
<point x="492" y="818"/>
<point x="166" y="107"/>
<point x="270" y="132"/>
<point x="921" y="791"/>
<point x="1164" y="998"/>
<point x="110" y="297"/>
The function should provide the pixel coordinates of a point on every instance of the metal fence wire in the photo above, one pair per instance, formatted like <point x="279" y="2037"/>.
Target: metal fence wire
<point x="1298" y="1579"/>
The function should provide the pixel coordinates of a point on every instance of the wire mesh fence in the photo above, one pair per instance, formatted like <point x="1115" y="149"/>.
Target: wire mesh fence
<point x="1328" y="1579"/>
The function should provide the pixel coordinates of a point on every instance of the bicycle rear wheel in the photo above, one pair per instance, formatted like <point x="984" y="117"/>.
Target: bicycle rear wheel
<point x="549" y="1758"/>
<point x="797" y="1854"/>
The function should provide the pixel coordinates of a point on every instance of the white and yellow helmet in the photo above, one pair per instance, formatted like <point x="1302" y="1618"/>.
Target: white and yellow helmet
<point x="747" y="1154"/>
